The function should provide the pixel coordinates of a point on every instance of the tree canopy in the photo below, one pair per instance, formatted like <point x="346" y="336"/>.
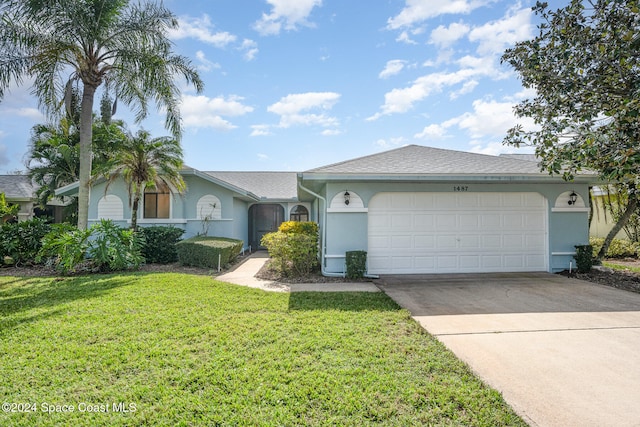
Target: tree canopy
<point x="63" y="43"/>
<point x="584" y="65"/>
<point x="145" y="162"/>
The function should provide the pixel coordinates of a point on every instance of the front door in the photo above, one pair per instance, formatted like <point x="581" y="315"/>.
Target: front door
<point x="263" y="219"/>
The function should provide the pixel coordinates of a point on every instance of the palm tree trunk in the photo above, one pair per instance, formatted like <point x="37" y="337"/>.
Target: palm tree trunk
<point x="632" y="205"/>
<point x="134" y="212"/>
<point x="86" y="123"/>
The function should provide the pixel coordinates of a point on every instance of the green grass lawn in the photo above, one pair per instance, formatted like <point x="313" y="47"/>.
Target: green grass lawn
<point x="186" y="350"/>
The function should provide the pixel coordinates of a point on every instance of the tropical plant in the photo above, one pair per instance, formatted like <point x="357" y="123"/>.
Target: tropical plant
<point x="7" y="210"/>
<point x="103" y="247"/>
<point x="53" y="159"/>
<point x="61" y="44"/>
<point x="146" y="163"/>
<point x="584" y="65"/>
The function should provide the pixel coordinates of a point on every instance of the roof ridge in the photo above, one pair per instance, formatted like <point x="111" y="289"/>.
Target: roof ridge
<point x="364" y="157"/>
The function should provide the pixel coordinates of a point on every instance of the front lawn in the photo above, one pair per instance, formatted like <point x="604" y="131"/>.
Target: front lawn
<point x="177" y="349"/>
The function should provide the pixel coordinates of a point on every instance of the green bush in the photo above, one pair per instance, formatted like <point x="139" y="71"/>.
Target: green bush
<point x="619" y="248"/>
<point x="65" y="247"/>
<point x="292" y="254"/>
<point x="203" y="251"/>
<point x="356" y="264"/>
<point x="103" y="247"/>
<point x="584" y="258"/>
<point x="21" y="241"/>
<point x="160" y="243"/>
<point x="113" y="248"/>
<point x="299" y="227"/>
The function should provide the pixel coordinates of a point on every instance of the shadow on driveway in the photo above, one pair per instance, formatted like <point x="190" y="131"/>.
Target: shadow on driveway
<point x="563" y="352"/>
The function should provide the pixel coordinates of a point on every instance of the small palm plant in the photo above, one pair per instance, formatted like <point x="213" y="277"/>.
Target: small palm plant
<point x="148" y="163"/>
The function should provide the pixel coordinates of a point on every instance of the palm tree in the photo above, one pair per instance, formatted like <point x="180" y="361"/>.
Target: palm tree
<point x="146" y="163"/>
<point x="53" y="159"/>
<point x="62" y="43"/>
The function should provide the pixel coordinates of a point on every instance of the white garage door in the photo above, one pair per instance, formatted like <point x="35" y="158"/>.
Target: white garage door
<point x="457" y="232"/>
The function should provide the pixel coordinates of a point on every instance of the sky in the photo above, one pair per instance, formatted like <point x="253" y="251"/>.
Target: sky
<point x="291" y="85"/>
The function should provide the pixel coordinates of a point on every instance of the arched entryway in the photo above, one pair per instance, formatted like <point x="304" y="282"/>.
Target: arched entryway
<point x="263" y="219"/>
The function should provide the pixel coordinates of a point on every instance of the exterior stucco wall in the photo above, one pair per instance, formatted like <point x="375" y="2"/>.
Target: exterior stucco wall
<point x="233" y="222"/>
<point x="349" y="231"/>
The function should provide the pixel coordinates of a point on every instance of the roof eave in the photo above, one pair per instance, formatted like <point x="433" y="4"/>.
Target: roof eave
<point x="533" y="177"/>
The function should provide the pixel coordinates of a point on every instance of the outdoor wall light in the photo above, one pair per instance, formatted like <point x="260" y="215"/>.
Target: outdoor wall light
<point x="347" y="198"/>
<point x="573" y="197"/>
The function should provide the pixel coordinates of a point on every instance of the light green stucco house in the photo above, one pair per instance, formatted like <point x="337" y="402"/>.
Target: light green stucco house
<point x="414" y="209"/>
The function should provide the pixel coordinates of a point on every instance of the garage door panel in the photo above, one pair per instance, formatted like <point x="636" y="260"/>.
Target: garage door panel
<point x="425" y="242"/>
<point x="469" y="222"/>
<point x="457" y="232"/>
<point x="401" y="242"/>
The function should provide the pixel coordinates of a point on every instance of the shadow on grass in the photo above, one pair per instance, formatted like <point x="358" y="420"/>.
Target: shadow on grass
<point x="48" y="292"/>
<point x="342" y="301"/>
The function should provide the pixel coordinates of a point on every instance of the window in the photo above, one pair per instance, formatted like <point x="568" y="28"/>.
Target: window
<point x="157" y="203"/>
<point x="299" y="213"/>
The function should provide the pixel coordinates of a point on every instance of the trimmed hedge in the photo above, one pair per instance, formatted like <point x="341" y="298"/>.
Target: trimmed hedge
<point x="203" y="251"/>
<point x="293" y="248"/>
<point x="356" y="264"/>
<point x="160" y="243"/>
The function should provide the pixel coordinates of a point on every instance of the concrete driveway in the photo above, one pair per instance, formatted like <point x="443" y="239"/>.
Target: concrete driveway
<point x="562" y="352"/>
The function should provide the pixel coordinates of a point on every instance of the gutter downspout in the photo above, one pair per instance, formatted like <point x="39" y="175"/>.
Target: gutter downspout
<point x="324" y="233"/>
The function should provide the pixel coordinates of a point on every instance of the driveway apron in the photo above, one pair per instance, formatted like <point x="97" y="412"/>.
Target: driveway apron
<point x="563" y="352"/>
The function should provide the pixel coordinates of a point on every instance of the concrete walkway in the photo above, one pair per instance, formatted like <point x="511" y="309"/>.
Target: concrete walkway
<point x="244" y="275"/>
<point x="562" y="352"/>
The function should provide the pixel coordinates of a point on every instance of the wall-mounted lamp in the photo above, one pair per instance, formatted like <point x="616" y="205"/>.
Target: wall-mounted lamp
<point x="347" y="198"/>
<point x="573" y="197"/>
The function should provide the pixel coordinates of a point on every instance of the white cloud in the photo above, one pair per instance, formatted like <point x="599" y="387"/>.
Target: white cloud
<point x="416" y="11"/>
<point x="201" y="29"/>
<point x="392" y="68"/>
<point x="30" y="113"/>
<point x="330" y="132"/>
<point x="250" y="49"/>
<point x="446" y="36"/>
<point x="391" y="142"/>
<point x="205" y="64"/>
<point x="287" y="14"/>
<point x="433" y="131"/>
<point x="402" y="100"/>
<point x="294" y="109"/>
<point x="262" y="157"/>
<point x="4" y="158"/>
<point x="260" y="130"/>
<point x="203" y="112"/>
<point x="405" y="38"/>
<point x="466" y="88"/>
<point x="494" y="37"/>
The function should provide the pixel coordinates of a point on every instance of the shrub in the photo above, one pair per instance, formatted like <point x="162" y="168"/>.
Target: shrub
<point x="299" y="227"/>
<point x="103" y="247"/>
<point x="22" y="241"/>
<point x="113" y="248"/>
<point x="584" y="258"/>
<point x="65" y="247"/>
<point x="204" y="251"/>
<point x="160" y="243"/>
<point x="619" y="248"/>
<point x="292" y="254"/>
<point x="356" y="264"/>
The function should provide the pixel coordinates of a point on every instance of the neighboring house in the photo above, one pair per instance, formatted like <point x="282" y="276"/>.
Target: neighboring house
<point x="21" y="190"/>
<point x="414" y="210"/>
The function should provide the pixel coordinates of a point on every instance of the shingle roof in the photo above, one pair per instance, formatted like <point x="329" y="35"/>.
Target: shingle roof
<point x="269" y="185"/>
<point x="17" y="187"/>
<point x="416" y="159"/>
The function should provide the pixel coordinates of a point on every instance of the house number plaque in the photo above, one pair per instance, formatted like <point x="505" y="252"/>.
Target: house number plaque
<point x="460" y="188"/>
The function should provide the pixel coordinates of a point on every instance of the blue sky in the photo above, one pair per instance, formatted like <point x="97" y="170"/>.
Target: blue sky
<point x="295" y="84"/>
